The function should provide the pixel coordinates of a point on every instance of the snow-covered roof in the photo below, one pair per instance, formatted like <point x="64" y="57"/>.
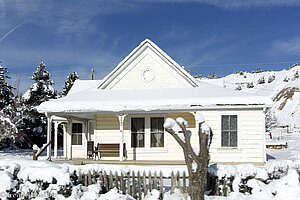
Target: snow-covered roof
<point x="81" y="85"/>
<point x="97" y="100"/>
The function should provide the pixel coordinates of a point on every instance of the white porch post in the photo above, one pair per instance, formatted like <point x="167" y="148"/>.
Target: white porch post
<point x="86" y="139"/>
<point x="55" y="139"/>
<point x="64" y="140"/>
<point x="49" y="126"/>
<point x="197" y="131"/>
<point x="121" y="120"/>
<point x="70" y="140"/>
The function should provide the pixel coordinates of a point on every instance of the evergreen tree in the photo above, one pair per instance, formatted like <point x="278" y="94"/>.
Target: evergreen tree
<point x="6" y="94"/>
<point x="33" y="125"/>
<point x="8" y="130"/>
<point x="69" y="82"/>
<point x="41" y="90"/>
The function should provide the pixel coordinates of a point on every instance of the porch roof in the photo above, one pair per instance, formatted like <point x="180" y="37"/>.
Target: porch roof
<point x="97" y="100"/>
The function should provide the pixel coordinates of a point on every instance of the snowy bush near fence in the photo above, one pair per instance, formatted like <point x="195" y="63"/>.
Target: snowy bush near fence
<point x="27" y="179"/>
<point x="274" y="180"/>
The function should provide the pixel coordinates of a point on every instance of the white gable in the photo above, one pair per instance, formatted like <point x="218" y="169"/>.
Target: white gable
<point x="145" y="67"/>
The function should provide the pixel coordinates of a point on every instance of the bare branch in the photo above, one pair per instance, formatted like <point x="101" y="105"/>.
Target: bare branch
<point x="188" y="142"/>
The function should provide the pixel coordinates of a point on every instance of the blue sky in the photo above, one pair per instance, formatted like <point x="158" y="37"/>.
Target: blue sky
<point x="205" y="36"/>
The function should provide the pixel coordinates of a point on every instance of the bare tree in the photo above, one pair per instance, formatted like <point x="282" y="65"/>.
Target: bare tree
<point x="196" y="159"/>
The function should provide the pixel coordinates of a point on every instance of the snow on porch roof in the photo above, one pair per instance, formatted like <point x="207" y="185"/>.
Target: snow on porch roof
<point x="80" y="85"/>
<point x="97" y="100"/>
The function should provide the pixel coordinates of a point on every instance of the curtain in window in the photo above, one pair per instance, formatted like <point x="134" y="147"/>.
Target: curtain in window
<point x="77" y="139"/>
<point x="157" y="132"/>
<point x="137" y="132"/>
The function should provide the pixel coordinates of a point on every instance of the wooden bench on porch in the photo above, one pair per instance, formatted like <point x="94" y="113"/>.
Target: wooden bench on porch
<point x="109" y="150"/>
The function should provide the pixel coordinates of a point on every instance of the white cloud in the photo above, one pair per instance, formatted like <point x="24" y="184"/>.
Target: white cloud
<point x="289" y="46"/>
<point x="236" y="4"/>
<point x="204" y="50"/>
<point x="60" y="62"/>
<point x="62" y="16"/>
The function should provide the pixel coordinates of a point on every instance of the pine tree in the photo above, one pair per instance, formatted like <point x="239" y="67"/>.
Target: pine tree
<point x="33" y="125"/>
<point x="8" y="130"/>
<point x="41" y="90"/>
<point x="6" y="94"/>
<point x="69" y="82"/>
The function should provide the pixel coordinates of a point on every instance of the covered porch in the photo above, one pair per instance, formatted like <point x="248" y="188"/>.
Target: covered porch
<point x="80" y="131"/>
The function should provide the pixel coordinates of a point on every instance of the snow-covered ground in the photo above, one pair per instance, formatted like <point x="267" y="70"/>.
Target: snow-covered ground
<point x="291" y="153"/>
<point x="18" y="168"/>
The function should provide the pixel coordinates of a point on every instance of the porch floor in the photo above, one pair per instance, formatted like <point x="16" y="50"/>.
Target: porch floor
<point x="81" y="161"/>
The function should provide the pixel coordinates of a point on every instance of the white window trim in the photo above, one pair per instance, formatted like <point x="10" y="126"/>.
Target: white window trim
<point x="147" y="147"/>
<point x="238" y="148"/>
<point x="83" y="135"/>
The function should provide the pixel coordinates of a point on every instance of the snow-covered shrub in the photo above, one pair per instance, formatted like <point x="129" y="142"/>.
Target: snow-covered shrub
<point x="250" y="85"/>
<point x="198" y="76"/>
<point x="261" y="80"/>
<point x="296" y="75"/>
<point x="259" y="70"/>
<point x="286" y="79"/>
<point x="271" y="121"/>
<point x="213" y="76"/>
<point x="271" y="79"/>
<point x="238" y="87"/>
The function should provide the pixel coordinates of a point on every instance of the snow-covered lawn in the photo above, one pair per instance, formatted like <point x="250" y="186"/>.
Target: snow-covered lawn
<point x="36" y="178"/>
<point x="291" y="153"/>
<point x="21" y="176"/>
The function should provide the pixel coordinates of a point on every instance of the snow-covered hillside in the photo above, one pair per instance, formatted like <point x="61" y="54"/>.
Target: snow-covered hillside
<point x="283" y="87"/>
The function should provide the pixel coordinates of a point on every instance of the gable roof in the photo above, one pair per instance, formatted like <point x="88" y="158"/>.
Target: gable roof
<point x="139" y="49"/>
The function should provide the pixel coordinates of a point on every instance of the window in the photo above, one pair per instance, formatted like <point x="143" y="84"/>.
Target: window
<point x="137" y="132"/>
<point x="229" y="130"/>
<point x="157" y="132"/>
<point x="147" y="132"/>
<point x="76" y="133"/>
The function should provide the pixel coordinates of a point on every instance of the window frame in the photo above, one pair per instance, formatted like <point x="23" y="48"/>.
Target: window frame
<point x="144" y="132"/>
<point x="82" y="134"/>
<point x="229" y="131"/>
<point x="147" y="147"/>
<point x="239" y="135"/>
<point x="157" y="132"/>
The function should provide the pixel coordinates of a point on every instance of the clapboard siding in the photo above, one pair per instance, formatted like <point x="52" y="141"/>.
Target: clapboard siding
<point x="250" y="136"/>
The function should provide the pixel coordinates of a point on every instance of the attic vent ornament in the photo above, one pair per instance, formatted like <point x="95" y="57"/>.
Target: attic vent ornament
<point x="148" y="75"/>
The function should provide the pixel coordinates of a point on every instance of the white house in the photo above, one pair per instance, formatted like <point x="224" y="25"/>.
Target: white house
<point x="131" y="103"/>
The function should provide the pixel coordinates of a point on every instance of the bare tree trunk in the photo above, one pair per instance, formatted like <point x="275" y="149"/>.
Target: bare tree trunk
<point x="197" y="174"/>
<point x="197" y="177"/>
